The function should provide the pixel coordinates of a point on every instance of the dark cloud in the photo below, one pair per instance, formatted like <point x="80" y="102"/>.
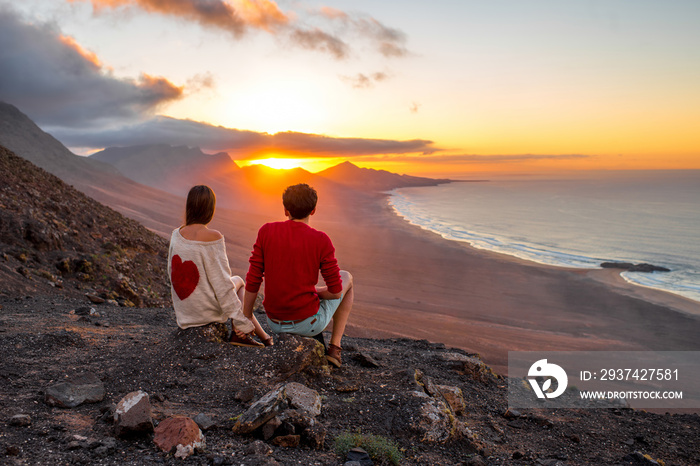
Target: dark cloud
<point x="201" y="82"/>
<point x="240" y="16"/>
<point x="362" y="81"/>
<point x="317" y="39"/>
<point x="241" y="144"/>
<point x="56" y="82"/>
<point x="388" y="41"/>
<point x="482" y="159"/>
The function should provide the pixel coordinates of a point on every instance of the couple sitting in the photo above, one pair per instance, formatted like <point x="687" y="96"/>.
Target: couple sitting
<point x="288" y="255"/>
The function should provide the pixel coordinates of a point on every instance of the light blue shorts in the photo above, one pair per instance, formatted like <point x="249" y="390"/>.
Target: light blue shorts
<point x="311" y="326"/>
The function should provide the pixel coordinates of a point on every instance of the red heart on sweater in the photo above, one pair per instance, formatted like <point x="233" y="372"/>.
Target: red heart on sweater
<point x="184" y="277"/>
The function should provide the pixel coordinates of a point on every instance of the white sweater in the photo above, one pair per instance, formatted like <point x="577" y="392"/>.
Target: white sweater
<point x="201" y="284"/>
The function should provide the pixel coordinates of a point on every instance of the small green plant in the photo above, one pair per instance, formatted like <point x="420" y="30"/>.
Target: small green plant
<point x="380" y="449"/>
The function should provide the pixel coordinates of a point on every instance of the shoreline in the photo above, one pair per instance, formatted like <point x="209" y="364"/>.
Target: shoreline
<point x="678" y="301"/>
<point x="412" y="282"/>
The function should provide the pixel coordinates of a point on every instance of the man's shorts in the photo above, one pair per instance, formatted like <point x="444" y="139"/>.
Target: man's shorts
<point x="310" y="326"/>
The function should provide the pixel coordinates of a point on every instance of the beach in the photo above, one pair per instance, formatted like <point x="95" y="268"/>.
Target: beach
<point x="412" y="283"/>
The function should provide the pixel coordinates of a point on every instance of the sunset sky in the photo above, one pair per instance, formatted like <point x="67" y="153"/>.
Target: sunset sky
<point x="435" y="88"/>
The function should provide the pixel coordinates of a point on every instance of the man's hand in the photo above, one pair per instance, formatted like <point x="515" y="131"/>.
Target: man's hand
<point x="323" y="293"/>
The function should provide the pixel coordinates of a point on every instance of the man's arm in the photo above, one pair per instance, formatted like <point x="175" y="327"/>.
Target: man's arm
<point x="249" y="303"/>
<point x="323" y="293"/>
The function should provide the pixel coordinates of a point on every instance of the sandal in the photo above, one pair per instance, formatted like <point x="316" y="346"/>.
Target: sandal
<point x="333" y="355"/>
<point x="244" y="341"/>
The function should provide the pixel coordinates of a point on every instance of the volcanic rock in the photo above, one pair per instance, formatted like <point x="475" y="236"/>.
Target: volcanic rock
<point x="87" y="388"/>
<point x="180" y="435"/>
<point x="133" y="414"/>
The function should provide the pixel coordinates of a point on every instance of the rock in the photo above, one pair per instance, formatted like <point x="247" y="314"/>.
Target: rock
<point x="204" y="422"/>
<point x="617" y="265"/>
<point x="133" y="414"/>
<point x="287" y="441"/>
<point x="294" y="353"/>
<point x="303" y="398"/>
<point x="476" y="460"/>
<point x="180" y="435"/>
<point x="646" y="268"/>
<point x="315" y="436"/>
<point x="366" y="360"/>
<point x="477" y="370"/>
<point x="244" y="395"/>
<point x="347" y="387"/>
<point x="74" y="445"/>
<point x="512" y="414"/>
<point x="292" y="394"/>
<point x="436" y="422"/>
<point x="84" y="311"/>
<point x="258" y="448"/>
<point x="94" y="298"/>
<point x="550" y="462"/>
<point x="454" y="398"/>
<point x="213" y="333"/>
<point x="86" y="388"/>
<point x="21" y="420"/>
<point x="267" y="407"/>
<point x="360" y="456"/>
<point x="12" y="450"/>
<point x="268" y="430"/>
<point x="300" y="420"/>
<point x="638" y="457"/>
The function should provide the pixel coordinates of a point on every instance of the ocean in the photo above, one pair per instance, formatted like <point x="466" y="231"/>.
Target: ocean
<point x="636" y="216"/>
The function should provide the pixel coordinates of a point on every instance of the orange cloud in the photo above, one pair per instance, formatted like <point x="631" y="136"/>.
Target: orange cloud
<point x="235" y="16"/>
<point x="89" y="56"/>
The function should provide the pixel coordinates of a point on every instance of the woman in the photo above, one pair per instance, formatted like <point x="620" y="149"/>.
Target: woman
<point x="203" y="289"/>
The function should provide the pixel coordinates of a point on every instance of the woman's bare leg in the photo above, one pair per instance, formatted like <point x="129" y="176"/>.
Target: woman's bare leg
<point x="240" y="291"/>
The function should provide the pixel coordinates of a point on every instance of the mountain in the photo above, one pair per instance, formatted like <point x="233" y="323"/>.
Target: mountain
<point x="52" y="235"/>
<point x="351" y="175"/>
<point x="167" y="167"/>
<point x="101" y="181"/>
<point x="21" y="135"/>
<point x="175" y="169"/>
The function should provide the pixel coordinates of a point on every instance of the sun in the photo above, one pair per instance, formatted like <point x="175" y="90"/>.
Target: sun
<point x="279" y="164"/>
<point x="312" y="164"/>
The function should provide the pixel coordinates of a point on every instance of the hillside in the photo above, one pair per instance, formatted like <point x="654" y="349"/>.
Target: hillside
<point x="156" y="209"/>
<point x="21" y="135"/>
<point x="166" y="167"/>
<point x="348" y="174"/>
<point x="423" y="403"/>
<point x="252" y="188"/>
<point x="52" y="235"/>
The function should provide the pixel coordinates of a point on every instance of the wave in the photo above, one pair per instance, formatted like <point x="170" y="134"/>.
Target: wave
<point x="680" y="281"/>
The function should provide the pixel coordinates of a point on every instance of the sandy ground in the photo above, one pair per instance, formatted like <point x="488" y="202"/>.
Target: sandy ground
<point x="413" y="283"/>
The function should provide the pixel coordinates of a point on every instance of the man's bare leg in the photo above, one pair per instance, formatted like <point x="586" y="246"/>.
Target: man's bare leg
<point x="340" y="318"/>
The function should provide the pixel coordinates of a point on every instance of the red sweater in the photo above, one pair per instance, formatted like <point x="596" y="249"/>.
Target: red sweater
<point x="289" y="255"/>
